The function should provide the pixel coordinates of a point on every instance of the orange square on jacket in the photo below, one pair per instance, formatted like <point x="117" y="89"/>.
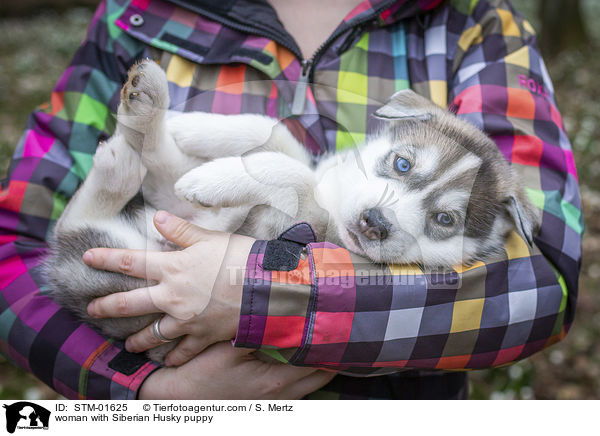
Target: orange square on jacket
<point x="453" y="362"/>
<point x="333" y="262"/>
<point x="298" y="276"/>
<point x="231" y="79"/>
<point x="521" y="104"/>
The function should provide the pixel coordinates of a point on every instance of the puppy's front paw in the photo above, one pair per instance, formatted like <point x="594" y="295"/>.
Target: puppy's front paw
<point x="146" y="91"/>
<point x="190" y="188"/>
<point x="215" y="184"/>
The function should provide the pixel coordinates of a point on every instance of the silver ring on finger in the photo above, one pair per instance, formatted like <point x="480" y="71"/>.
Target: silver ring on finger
<point x="156" y="331"/>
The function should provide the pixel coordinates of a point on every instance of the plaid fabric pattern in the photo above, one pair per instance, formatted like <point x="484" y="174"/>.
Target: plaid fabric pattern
<point x="335" y="310"/>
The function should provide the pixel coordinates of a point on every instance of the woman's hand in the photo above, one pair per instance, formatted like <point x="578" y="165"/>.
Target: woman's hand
<point x="223" y="372"/>
<point x="194" y="287"/>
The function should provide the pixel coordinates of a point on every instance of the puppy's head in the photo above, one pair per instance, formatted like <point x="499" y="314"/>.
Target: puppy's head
<point x="429" y="189"/>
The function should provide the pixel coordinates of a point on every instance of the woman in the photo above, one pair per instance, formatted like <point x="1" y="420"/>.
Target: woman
<point x="478" y="58"/>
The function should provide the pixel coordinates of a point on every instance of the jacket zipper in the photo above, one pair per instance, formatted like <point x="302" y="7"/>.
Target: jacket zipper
<point x="307" y="72"/>
<point x="300" y="92"/>
<point x="308" y="65"/>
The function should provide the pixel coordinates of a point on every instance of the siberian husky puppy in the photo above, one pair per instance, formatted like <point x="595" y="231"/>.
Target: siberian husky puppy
<point x="428" y="189"/>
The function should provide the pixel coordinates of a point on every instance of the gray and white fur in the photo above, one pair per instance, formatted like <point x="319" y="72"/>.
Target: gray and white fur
<point x="428" y="189"/>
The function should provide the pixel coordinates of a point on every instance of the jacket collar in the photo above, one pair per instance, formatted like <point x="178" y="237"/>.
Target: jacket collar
<point x="248" y="16"/>
<point x="259" y="17"/>
<point x="243" y="31"/>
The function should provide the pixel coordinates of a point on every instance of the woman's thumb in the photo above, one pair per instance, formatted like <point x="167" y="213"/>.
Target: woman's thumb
<point x="177" y="230"/>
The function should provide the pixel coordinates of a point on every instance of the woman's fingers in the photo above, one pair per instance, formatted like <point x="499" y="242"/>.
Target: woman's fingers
<point x="292" y="373"/>
<point x="123" y="304"/>
<point x="136" y="263"/>
<point x="186" y="350"/>
<point x="292" y="382"/>
<point x="145" y="339"/>
<point x="307" y="385"/>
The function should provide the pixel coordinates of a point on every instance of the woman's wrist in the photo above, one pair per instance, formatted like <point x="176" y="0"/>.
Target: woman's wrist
<point x="153" y="386"/>
<point x="230" y="281"/>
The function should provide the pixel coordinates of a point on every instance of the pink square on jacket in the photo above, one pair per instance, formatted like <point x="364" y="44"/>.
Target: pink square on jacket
<point x="469" y="101"/>
<point x="12" y="268"/>
<point x="508" y="355"/>
<point x="332" y="327"/>
<point x="284" y="331"/>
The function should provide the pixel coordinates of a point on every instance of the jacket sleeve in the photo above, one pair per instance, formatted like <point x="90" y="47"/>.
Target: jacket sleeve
<point x="52" y="158"/>
<point x="335" y="310"/>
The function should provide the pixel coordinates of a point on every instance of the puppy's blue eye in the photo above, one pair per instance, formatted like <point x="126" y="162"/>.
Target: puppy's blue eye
<point x="444" y="219"/>
<point x="402" y="165"/>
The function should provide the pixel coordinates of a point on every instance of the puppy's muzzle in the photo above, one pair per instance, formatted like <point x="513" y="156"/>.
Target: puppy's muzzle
<point x="374" y="225"/>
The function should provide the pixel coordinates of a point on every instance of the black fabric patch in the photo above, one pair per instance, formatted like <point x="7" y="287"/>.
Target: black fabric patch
<point x="127" y="363"/>
<point x="185" y="44"/>
<point x="282" y="255"/>
<point x="254" y="54"/>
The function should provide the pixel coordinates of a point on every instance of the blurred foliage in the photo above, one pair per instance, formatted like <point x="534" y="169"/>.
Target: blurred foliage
<point x="33" y="54"/>
<point x="27" y="7"/>
<point x="36" y="50"/>
<point x="571" y="368"/>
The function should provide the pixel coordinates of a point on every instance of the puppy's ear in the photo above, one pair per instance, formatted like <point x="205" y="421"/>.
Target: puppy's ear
<point x="524" y="214"/>
<point x="406" y="105"/>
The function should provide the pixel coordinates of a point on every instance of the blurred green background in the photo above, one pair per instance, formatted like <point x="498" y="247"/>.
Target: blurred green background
<point x="40" y="36"/>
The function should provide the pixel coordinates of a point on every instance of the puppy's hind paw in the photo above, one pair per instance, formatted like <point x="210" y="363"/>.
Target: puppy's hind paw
<point x="105" y="157"/>
<point x="146" y="91"/>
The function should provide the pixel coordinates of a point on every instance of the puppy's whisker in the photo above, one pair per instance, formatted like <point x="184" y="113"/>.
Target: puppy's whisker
<point x="393" y="202"/>
<point x="387" y="197"/>
<point x="383" y="196"/>
<point x="390" y="195"/>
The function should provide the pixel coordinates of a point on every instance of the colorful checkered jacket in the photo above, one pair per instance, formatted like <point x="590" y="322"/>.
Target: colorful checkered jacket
<point x="333" y="309"/>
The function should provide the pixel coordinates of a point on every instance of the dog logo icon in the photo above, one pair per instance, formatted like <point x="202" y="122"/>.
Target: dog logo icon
<point x="26" y="415"/>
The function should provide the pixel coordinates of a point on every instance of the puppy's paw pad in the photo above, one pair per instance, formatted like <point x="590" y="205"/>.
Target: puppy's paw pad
<point x="146" y="88"/>
<point x="105" y="157"/>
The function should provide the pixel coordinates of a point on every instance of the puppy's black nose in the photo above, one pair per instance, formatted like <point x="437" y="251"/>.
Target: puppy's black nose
<point x="373" y="224"/>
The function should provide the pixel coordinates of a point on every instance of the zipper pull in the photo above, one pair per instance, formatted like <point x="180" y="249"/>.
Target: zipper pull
<point x="300" y="94"/>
